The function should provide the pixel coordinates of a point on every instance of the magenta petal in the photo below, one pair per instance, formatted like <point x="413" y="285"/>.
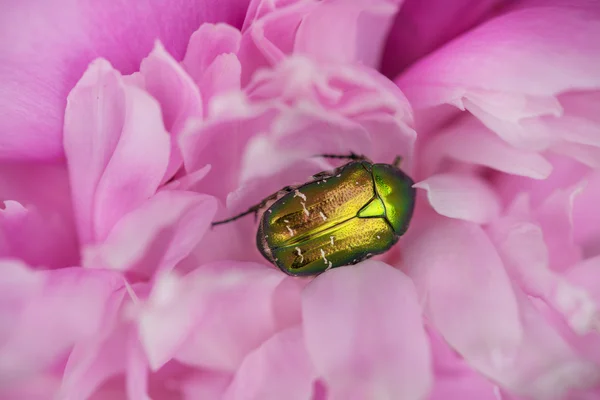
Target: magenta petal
<point x="364" y="333"/>
<point x="177" y="94"/>
<point x="279" y="369"/>
<point x="461" y="196"/>
<point x="503" y="100"/>
<point x="36" y="222"/>
<point x="155" y="236"/>
<point x="46" y="49"/>
<point x="423" y="25"/>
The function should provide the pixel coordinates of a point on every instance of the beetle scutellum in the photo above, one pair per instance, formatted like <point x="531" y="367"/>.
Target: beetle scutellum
<point x="339" y="218"/>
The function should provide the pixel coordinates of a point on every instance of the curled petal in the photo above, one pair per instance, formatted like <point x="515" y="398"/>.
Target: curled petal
<point x="462" y="197"/>
<point x="501" y="99"/>
<point x="207" y="294"/>
<point x="119" y="162"/>
<point x="364" y="333"/>
<point x="471" y="142"/>
<point x="155" y="236"/>
<point x="46" y="49"/>
<point x="177" y="94"/>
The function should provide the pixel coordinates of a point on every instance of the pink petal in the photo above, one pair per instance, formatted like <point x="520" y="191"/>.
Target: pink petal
<point x="334" y="31"/>
<point x="156" y="236"/>
<point x="545" y="365"/>
<point x="577" y="127"/>
<point x="500" y="98"/>
<point x="471" y="142"/>
<point x="421" y="26"/>
<point x="18" y="284"/>
<point x="231" y="297"/>
<point x="466" y="294"/>
<point x="46" y="49"/>
<point x="364" y="333"/>
<point x="50" y="322"/>
<point x="586" y="222"/>
<point x="177" y="94"/>
<point x="279" y="368"/>
<point x="525" y="253"/>
<point x="127" y="135"/>
<point x="462" y="197"/>
<point x="36" y="222"/>
<point x="347" y="32"/>
<point x="205" y="385"/>
<point x="222" y="76"/>
<point x="555" y="217"/>
<point x="211" y="59"/>
<point x="455" y="379"/>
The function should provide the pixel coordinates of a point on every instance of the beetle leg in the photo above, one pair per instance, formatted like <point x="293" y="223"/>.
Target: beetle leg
<point x="257" y="207"/>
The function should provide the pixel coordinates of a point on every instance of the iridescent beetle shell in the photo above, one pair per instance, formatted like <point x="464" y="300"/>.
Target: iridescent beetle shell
<point x="358" y="211"/>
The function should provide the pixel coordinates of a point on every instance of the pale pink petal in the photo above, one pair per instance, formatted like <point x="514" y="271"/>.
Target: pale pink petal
<point x="586" y="221"/>
<point x="155" y="236"/>
<point x="206" y="45"/>
<point x="465" y="291"/>
<point x="334" y="31"/>
<point x="523" y="247"/>
<point x="222" y="76"/>
<point x="461" y="196"/>
<point x="122" y="161"/>
<point x="280" y="368"/>
<point x="18" y="283"/>
<point x="565" y="173"/>
<point x="364" y="333"/>
<point x="36" y="222"/>
<point x="545" y="365"/>
<point x="231" y="297"/>
<point x="137" y="165"/>
<point x="503" y="100"/>
<point x="67" y="308"/>
<point x="205" y="385"/>
<point x="211" y="60"/>
<point x="167" y="319"/>
<point x="46" y="49"/>
<point x="421" y="26"/>
<point x="555" y="216"/>
<point x="177" y="94"/>
<point x="348" y="32"/>
<point x="187" y="181"/>
<point x="94" y="118"/>
<point x="469" y="141"/>
<point x="577" y="127"/>
<point x="454" y="378"/>
<point x="136" y="370"/>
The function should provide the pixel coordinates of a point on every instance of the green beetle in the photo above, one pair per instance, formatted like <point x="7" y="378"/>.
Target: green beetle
<point x="339" y="218"/>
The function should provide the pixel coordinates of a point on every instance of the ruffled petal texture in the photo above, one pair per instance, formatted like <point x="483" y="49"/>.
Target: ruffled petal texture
<point x="45" y="50"/>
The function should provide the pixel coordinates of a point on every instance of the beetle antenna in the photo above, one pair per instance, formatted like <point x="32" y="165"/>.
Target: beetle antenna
<point x="351" y="156"/>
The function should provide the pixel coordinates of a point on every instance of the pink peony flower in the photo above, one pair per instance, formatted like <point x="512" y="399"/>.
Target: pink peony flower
<point x="126" y="129"/>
